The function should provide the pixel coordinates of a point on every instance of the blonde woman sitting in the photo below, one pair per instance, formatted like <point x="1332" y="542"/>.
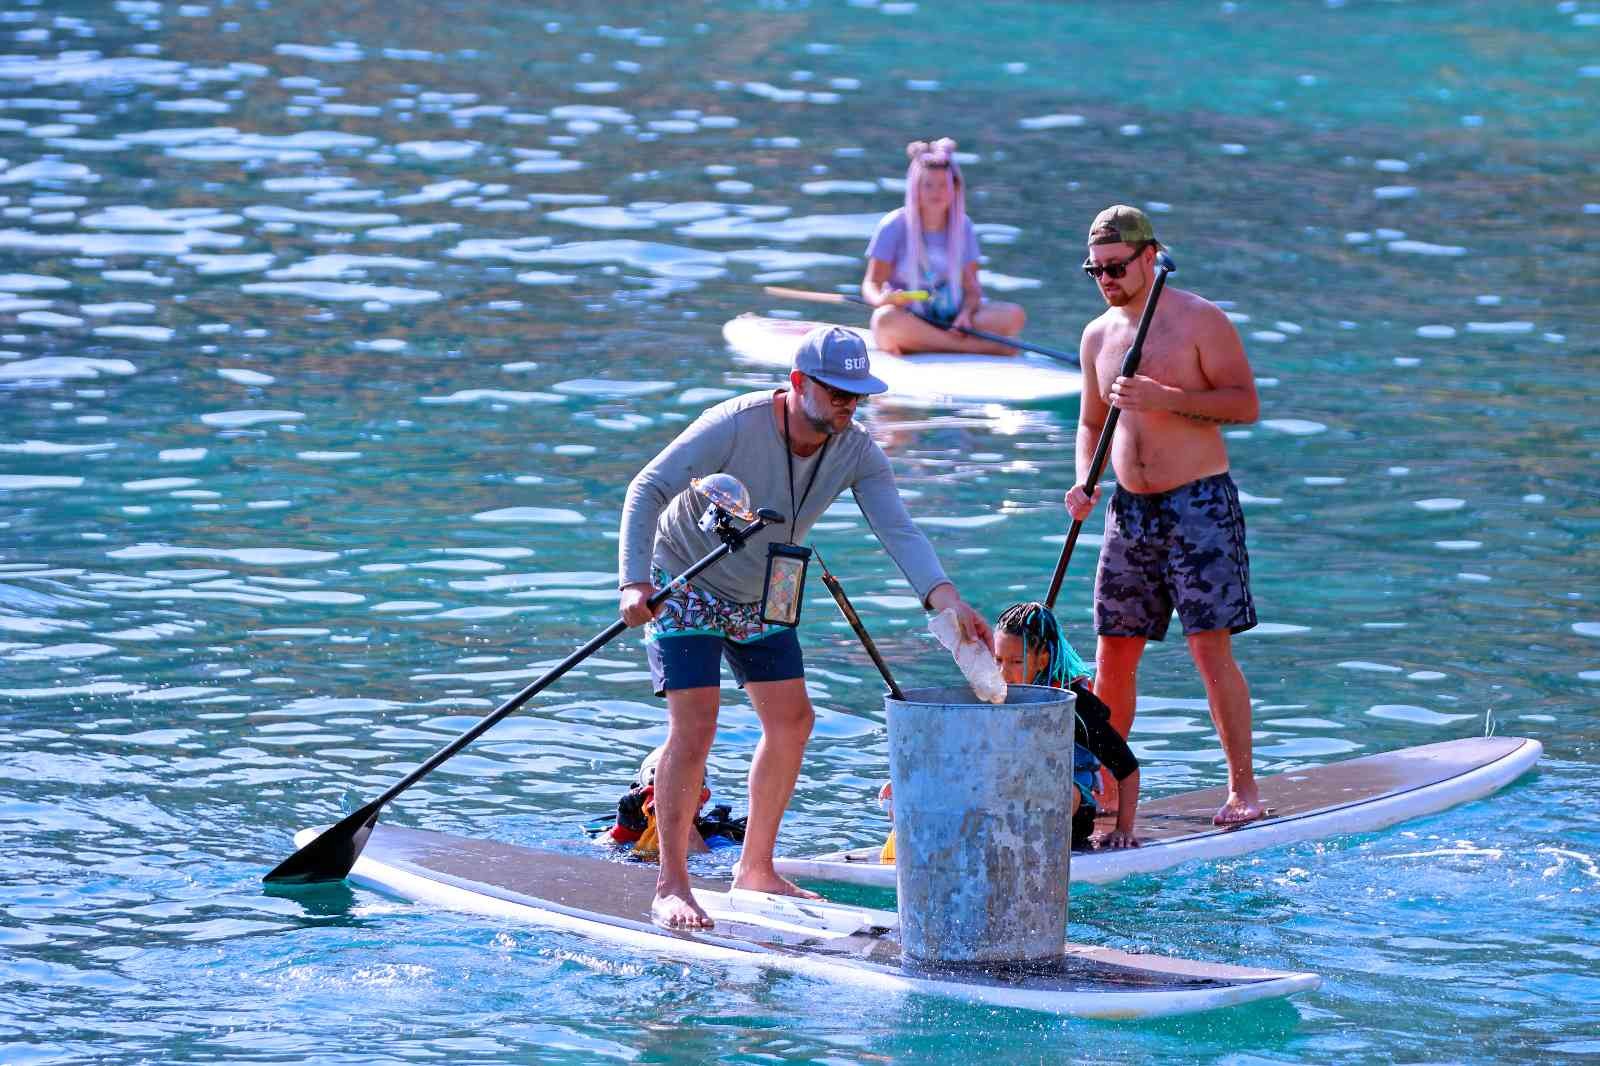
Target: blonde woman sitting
<point x="930" y="245"/>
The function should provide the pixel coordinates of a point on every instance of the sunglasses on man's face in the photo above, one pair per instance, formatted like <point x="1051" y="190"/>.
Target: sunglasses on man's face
<point x="1113" y="270"/>
<point x="841" y="397"/>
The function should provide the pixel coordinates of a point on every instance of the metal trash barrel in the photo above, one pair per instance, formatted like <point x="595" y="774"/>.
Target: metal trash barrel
<point x="983" y="825"/>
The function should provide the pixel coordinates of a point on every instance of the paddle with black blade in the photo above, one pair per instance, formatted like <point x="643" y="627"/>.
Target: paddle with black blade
<point x="811" y="296"/>
<point x="331" y="855"/>
<point x="847" y="609"/>
<point x="1130" y="366"/>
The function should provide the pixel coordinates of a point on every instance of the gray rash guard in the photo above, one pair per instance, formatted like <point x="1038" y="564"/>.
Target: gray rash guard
<point x="741" y="437"/>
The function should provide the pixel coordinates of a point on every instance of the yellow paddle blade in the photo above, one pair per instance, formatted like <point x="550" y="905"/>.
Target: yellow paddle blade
<point x="887" y="854"/>
<point x="812" y="296"/>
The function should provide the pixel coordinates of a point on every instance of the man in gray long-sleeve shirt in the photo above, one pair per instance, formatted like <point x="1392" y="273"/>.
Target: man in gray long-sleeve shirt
<point x="795" y="449"/>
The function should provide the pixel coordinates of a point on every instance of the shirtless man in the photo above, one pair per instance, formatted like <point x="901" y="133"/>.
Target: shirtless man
<point x="1174" y="534"/>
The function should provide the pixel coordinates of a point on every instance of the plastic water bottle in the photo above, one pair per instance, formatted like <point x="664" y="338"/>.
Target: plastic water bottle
<point x="975" y="660"/>
<point x="981" y="671"/>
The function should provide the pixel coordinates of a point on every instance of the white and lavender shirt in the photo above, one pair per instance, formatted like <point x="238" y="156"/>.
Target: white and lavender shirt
<point x="889" y="241"/>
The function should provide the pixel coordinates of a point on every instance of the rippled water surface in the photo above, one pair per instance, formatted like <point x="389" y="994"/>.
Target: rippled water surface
<point x="331" y="334"/>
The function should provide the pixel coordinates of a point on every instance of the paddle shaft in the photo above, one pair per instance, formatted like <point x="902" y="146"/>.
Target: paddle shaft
<point x="1130" y="366"/>
<point x="847" y="298"/>
<point x="848" y="610"/>
<point x="340" y="845"/>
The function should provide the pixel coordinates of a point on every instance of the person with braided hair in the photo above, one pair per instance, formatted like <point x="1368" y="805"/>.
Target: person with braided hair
<point x="930" y="245"/>
<point x="1031" y="649"/>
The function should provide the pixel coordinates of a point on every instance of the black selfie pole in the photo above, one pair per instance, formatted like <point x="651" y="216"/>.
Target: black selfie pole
<point x="849" y="612"/>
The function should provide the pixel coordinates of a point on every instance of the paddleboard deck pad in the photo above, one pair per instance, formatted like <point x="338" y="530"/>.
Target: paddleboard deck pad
<point x="1353" y="796"/>
<point x="610" y="899"/>
<point x="923" y="379"/>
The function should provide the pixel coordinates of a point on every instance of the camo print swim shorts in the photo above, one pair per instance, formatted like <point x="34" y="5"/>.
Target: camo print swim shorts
<point x="1183" y="549"/>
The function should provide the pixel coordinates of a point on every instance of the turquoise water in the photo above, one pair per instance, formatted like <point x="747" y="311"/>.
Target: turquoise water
<point x="334" y="333"/>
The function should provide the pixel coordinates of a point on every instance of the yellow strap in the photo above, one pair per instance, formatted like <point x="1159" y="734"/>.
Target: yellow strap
<point x="648" y="846"/>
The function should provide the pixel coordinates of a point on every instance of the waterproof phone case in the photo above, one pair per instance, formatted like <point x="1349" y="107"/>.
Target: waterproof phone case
<point x="786" y="584"/>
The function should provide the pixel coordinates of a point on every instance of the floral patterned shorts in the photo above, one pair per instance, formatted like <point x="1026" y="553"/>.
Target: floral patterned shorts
<point x="691" y="610"/>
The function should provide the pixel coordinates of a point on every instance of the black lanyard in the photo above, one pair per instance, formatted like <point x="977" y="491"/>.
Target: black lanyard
<point x="788" y="454"/>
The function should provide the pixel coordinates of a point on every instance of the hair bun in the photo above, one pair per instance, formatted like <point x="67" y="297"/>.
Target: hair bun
<point x="945" y="145"/>
<point x="916" y="148"/>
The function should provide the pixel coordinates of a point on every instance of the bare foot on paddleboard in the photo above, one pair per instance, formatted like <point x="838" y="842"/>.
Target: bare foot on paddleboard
<point x="1238" y="811"/>
<point x="770" y="883"/>
<point x="672" y="911"/>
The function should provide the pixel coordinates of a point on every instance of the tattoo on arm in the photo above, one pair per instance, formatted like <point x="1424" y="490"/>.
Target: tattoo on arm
<point x="1212" y="419"/>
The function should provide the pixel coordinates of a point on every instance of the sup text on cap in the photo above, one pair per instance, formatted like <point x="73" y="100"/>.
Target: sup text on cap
<point x="837" y="356"/>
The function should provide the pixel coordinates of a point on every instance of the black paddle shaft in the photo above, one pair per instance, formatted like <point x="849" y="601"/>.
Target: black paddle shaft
<point x="1130" y="366"/>
<point x="331" y="855"/>
<point x="1010" y="342"/>
<point x="847" y="609"/>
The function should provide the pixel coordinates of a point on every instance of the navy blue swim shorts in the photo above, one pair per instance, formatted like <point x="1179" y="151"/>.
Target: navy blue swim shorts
<point x="695" y="631"/>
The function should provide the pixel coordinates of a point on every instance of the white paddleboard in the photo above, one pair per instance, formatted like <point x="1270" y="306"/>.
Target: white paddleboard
<point x="1354" y="796"/>
<point x="924" y="379"/>
<point x="610" y="899"/>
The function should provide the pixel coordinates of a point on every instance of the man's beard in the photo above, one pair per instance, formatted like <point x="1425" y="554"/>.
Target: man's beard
<point x="820" y="423"/>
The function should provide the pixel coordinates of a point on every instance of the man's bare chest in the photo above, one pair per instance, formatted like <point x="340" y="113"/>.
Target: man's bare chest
<point x="1167" y="357"/>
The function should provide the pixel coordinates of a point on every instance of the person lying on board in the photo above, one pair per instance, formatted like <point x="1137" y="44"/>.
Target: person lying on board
<point x="635" y="823"/>
<point x="930" y="245"/>
<point x="1032" y="650"/>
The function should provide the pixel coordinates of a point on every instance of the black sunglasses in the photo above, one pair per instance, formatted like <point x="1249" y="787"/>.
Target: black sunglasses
<point x="1113" y="270"/>
<point x="840" y="397"/>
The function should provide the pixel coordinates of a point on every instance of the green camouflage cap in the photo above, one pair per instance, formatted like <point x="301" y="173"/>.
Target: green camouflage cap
<point x="1121" y="224"/>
